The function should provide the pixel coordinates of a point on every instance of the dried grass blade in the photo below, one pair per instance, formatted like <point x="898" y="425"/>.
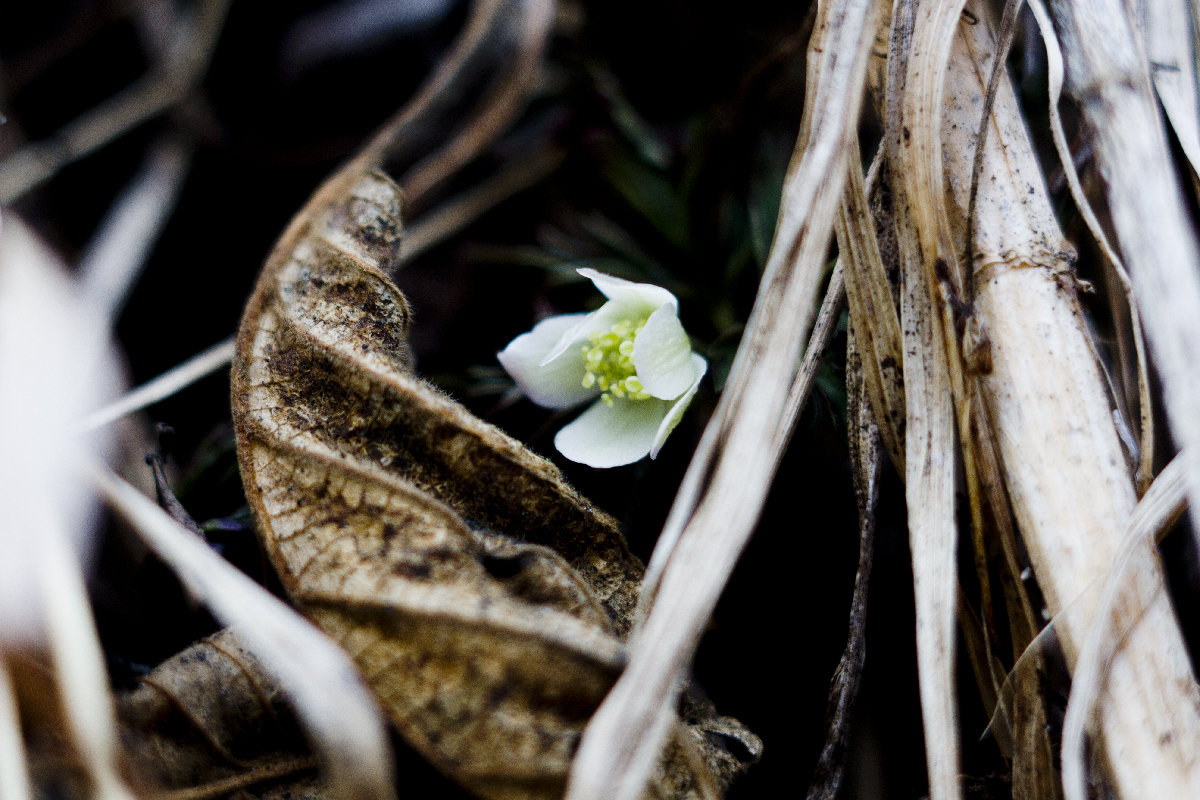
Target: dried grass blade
<point x="1109" y="79"/>
<point x="1034" y="773"/>
<point x="872" y="310"/>
<point x="1054" y="86"/>
<point x="822" y="333"/>
<point x="54" y="361"/>
<point x="866" y="460"/>
<point x="115" y="256"/>
<point x="929" y="491"/>
<point x="500" y="48"/>
<point x="1170" y="47"/>
<point x="688" y="496"/>
<point x="1062" y="458"/>
<point x="917" y="54"/>
<point x="14" y="775"/>
<point x="449" y="218"/>
<point x="184" y="64"/>
<point x="78" y="663"/>
<point x="165" y="385"/>
<point x="1162" y="505"/>
<point x="512" y="33"/>
<point x="738" y="458"/>
<point x="689" y="491"/>
<point x="344" y="725"/>
<point x="988" y="671"/>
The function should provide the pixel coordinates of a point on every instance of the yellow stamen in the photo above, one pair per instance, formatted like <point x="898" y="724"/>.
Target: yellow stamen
<point x="608" y="361"/>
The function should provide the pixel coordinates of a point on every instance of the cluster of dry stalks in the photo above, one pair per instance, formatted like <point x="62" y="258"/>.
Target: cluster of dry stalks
<point x="987" y="374"/>
<point x="972" y="365"/>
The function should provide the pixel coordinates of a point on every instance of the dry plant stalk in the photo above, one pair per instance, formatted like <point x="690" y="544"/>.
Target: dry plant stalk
<point x="50" y="517"/>
<point x="1046" y="404"/>
<point x="1170" y="29"/>
<point x="1065" y="467"/>
<point x="918" y="49"/>
<point x="180" y="65"/>
<point x="1158" y="510"/>
<point x="726" y="484"/>
<point x="1126" y="315"/>
<point x="866" y="463"/>
<point x="1108" y="75"/>
<point x="119" y="248"/>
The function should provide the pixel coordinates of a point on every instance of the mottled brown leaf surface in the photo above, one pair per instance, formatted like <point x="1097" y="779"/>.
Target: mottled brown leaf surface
<point x="211" y="722"/>
<point x="484" y="600"/>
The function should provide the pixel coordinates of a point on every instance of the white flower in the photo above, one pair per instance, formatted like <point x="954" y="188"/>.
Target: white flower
<point x="631" y="356"/>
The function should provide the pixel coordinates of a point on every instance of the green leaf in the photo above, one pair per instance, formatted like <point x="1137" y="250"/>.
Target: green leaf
<point x="650" y="193"/>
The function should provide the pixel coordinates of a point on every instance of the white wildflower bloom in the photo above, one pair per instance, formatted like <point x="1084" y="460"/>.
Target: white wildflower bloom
<point x="631" y="357"/>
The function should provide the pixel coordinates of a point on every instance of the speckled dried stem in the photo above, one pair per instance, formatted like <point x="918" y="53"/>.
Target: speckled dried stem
<point x="1065" y="469"/>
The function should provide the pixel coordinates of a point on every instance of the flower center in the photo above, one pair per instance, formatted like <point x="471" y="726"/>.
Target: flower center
<point x="608" y="359"/>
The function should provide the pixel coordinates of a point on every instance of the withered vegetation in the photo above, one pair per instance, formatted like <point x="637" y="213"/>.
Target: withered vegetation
<point x="941" y="256"/>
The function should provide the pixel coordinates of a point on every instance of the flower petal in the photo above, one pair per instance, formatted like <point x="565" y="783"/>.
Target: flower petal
<point x="585" y="324"/>
<point x="676" y="413"/>
<point x="610" y="436"/>
<point x="556" y="383"/>
<point x="662" y="355"/>
<point x="642" y="298"/>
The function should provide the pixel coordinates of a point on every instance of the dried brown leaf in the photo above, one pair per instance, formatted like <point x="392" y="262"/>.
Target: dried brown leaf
<point x="341" y="721"/>
<point x="482" y="598"/>
<point x="211" y="721"/>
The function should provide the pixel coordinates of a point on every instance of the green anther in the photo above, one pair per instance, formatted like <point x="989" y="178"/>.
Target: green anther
<point x="608" y="361"/>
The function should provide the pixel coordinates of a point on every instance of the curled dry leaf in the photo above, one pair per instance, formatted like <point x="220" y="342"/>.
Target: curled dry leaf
<point x="483" y="599"/>
<point x="209" y="722"/>
<point x="213" y="722"/>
